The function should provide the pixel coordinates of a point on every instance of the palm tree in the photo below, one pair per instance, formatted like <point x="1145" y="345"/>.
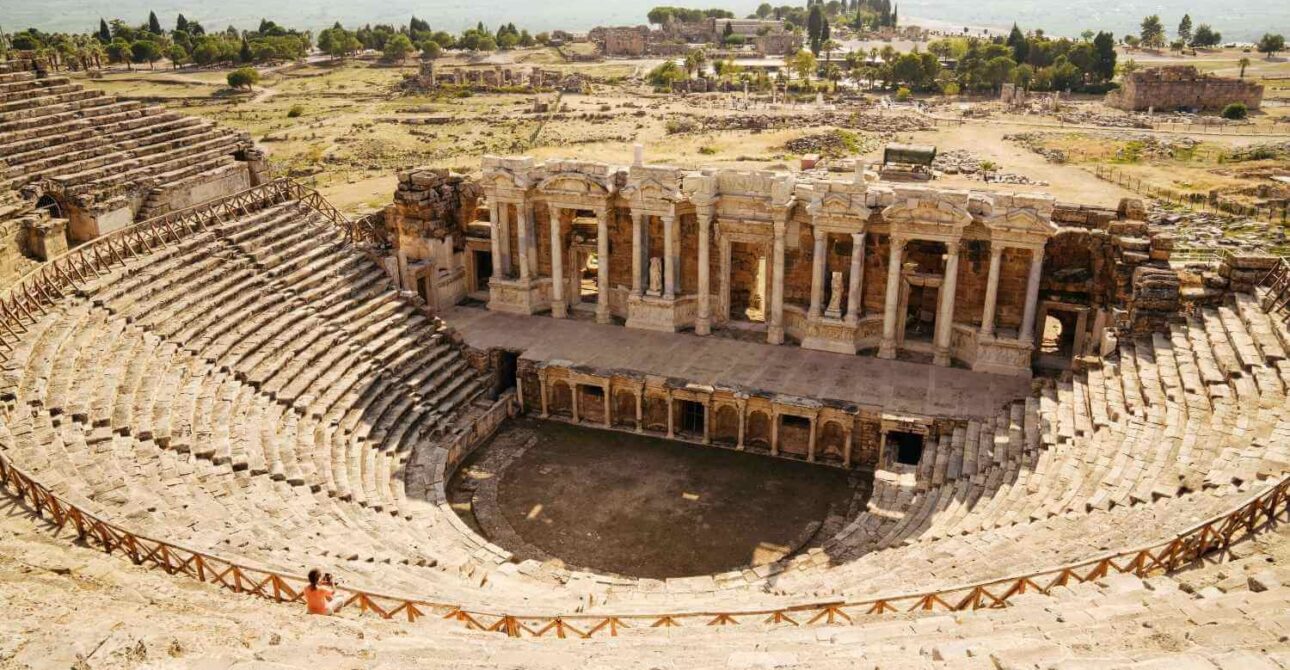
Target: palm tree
<point x="833" y="73"/>
<point x="829" y="47"/>
<point x="1244" y="63"/>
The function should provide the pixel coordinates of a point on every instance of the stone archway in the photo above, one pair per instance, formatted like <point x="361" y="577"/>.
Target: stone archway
<point x="624" y="408"/>
<point x="655" y="413"/>
<point x="561" y="400"/>
<point x="830" y="446"/>
<point x="758" y="432"/>
<point x="725" y="426"/>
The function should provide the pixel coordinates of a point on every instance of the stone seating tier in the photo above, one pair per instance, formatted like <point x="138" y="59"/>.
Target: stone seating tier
<point x="259" y="390"/>
<point x="89" y="147"/>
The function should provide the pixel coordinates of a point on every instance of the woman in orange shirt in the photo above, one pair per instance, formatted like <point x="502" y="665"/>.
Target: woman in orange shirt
<point x="320" y="595"/>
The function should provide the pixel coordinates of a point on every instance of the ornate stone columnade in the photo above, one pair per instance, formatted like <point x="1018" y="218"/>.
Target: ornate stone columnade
<point x="841" y="265"/>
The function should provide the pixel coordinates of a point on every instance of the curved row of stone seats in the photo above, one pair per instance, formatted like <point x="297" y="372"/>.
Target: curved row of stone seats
<point x="1150" y="443"/>
<point x="84" y="142"/>
<point x="200" y="374"/>
<point x="1219" y="617"/>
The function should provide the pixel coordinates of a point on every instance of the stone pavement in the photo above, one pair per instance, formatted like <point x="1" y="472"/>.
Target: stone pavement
<point x="892" y="386"/>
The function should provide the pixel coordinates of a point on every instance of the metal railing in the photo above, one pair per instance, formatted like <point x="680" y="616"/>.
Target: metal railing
<point x="30" y="297"/>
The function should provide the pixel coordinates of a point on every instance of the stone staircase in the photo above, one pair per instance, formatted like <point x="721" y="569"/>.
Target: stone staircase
<point x="91" y="148"/>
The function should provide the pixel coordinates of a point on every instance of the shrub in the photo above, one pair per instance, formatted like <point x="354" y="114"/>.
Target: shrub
<point x="295" y="111"/>
<point x="243" y="77"/>
<point x="707" y="150"/>
<point x="1235" y="111"/>
<point x="903" y="94"/>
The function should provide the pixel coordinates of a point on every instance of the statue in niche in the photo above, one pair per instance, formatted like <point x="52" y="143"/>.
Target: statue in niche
<point x="834" y="310"/>
<point x="655" y="276"/>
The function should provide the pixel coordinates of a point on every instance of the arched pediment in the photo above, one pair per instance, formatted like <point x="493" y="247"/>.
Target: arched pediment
<point x="651" y="189"/>
<point x="927" y="211"/>
<point x="1021" y="221"/>
<point x="572" y="184"/>
<point x="838" y="205"/>
<point x="503" y="178"/>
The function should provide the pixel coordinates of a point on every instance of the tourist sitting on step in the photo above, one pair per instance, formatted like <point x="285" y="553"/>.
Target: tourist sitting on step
<point x="320" y="595"/>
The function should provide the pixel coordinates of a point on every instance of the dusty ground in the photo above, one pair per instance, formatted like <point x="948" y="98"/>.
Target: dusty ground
<point x="342" y="127"/>
<point x="642" y="506"/>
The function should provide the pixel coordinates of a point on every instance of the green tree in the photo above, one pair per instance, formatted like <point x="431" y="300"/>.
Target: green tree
<point x="764" y="10"/>
<point x="1271" y="44"/>
<point x="105" y="35"/>
<point x="397" y="48"/>
<point x="154" y="26"/>
<point x="181" y="24"/>
<point x="430" y="50"/>
<point x="665" y="74"/>
<point x="1184" y="29"/>
<point x="1152" y="33"/>
<point x="145" y="51"/>
<point x="694" y="60"/>
<point x="244" y="53"/>
<point x="802" y="63"/>
<point x="998" y="70"/>
<point x="829" y="46"/>
<point x="178" y="56"/>
<point x="118" y="51"/>
<point x="1244" y="63"/>
<point x="243" y="78"/>
<point x="1206" y="36"/>
<point x="815" y="29"/>
<point x="1104" y="56"/>
<point x="1019" y="44"/>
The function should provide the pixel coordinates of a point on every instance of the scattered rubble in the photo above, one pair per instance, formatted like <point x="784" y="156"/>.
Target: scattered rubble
<point x="832" y="144"/>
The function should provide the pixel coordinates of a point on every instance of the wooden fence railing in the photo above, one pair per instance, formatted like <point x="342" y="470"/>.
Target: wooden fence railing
<point x="1269" y="507"/>
<point x="1201" y="202"/>
<point x="27" y="300"/>
<point x="39" y="289"/>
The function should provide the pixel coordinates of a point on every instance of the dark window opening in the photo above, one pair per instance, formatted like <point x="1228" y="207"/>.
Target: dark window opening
<point x="507" y="370"/>
<point x="50" y="205"/>
<point x="791" y="421"/>
<point x="483" y="269"/>
<point x="908" y="446"/>
<point x="692" y="417"/>
<point x="594" y="392"/>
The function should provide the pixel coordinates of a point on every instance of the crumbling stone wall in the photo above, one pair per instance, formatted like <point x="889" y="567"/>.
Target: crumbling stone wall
<point x="1182" y="87"/>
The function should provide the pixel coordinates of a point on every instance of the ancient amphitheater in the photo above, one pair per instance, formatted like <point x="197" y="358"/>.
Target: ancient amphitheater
<point x="1075" y="454"/>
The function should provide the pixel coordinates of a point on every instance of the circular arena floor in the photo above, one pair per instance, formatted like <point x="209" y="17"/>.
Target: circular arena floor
<point x="641" y="506"/>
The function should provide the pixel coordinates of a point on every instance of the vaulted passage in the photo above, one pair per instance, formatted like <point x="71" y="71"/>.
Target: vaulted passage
<point x="642" y="506"/>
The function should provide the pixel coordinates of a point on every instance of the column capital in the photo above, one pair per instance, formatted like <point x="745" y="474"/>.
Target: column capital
<point x="898" y="241"/>
<point x="820" y="234"/>
<point x="857" y="238"/>
<point x="997" y="248"/>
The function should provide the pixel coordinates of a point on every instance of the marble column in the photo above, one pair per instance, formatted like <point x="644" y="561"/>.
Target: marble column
<point x="522" y="222"/>
<point x="1032" y="295"/>
<point x="774" y="433"/>
<point x="817" y="273"/>
<point x="602" y="266"/>
<point x="775" y="331"/>
<point x="608" y="422"/>
<point x="887" y="348"/>
<point x="573" y="402"/>
<point x="810" y="445"/>
<point x="856" y="285"/>
<point x="559" y="308"/>
<point x="671" y="426"/>
<point x="542" y="391"/>
<point x="945" y="308"/>
<point x="703" y="321"/>
<point x="739" y="444"/>
<point x="846" y="448"/>
<point x="638" y="255"/>
<point x="991" y="290"/>
<point x="707" y="422"/>
<point x="640" y="411"/>
<point x="495" y="238"/>
<point x="504" y="221"/>
<point x="669" y="257"/>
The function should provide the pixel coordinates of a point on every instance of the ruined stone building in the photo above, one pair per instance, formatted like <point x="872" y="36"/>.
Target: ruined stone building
<point x="1044" y="425"/>
<point x="1182" y="87"/>
<point x="838" y="265"/>
<point x="79" y="163"/>
<point x="492" y="78"/>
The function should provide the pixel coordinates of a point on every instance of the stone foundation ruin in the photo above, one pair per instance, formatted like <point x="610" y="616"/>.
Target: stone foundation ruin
<point x="1182" y="87"/>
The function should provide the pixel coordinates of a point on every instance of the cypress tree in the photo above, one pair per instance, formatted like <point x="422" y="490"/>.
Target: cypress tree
<point x="105" y="34"/>
<point x="245" y="54"/>
<point x="181" y="24"/>
<point x="154" y="26"/>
